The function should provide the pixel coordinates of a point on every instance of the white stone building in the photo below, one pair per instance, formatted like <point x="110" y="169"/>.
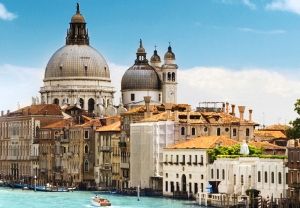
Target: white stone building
<point x="78" y="74"/>
<point x="235" y="176"/>
<point x="185" y="164"/>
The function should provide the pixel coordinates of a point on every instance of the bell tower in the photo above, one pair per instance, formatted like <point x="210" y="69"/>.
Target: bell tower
<point x="169" y="77"/>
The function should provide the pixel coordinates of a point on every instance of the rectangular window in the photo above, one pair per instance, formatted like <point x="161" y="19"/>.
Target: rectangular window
<point x="266" y="177"/>
<point x="279" y="178"/>
<point x="196" y="188"/>
<point x="217" y="173"/>
<point x="132" y="97"/>
<point x="86" y="134"/>
<point x="201" y="159"/>
<point x="177" y="158"/>
<point x="258" y="176"/>
<point x="212" y="173"/>
<point x="242" y="180"/>
<point x="234" y="179"/>
<point x="201" y="187"/>
<point x="223" y="174"/>
<point x="172" y="186"/>
<point x="190" y="187"/>
<point x="196" y="159"/>
<point x="183" y="159"/>
<point x="167" y="186"/>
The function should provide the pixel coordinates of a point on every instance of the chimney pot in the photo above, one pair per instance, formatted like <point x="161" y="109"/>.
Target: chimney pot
<point x="233" y="109"/>
<point x="241" y="111"/>
<point x="250" y="115"/>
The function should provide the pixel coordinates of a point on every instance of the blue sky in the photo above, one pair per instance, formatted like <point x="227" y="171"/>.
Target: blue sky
<point x="254" y="43"/>
<point x="212" y="32"/>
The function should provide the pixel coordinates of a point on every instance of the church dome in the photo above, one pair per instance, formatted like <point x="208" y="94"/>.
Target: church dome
<point x="141" y="76"/>
<point x="77" y="61"/>
<point x="155" y="57"/>
<point x="169" y="55"/>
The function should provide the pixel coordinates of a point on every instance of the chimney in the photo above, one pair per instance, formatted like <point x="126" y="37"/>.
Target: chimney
<point x="232" y="109"/>
<point x="250" y="115"/>
<point x="147" y="100"/>
<point x="2" y="113"/>
<point x="227" y="107"/>
<point x="241" y="110"/>
<point x="168" y="107"/>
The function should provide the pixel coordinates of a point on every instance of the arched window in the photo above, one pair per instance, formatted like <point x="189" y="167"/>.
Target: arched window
<point x="279" y="178"/>
<point x="234" y="132"/>
<point x="272" y="177"/>
<point x="86" y="149"/>
<point x="91" y="105"/>
<point x="56" y="101"/>
<point x="86" y="166"/>
<point x="81" y="103"/>
<point x="193" y="131"/>
<point x="182" y="131"/>
<point x="218" y="131"/>
<point x="247" y="132"/>
<point x="173" y="76"/>
<point x="169" y="76"/>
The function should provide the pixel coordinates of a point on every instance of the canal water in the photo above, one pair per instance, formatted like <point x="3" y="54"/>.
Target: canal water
<point x="16" y="198"/>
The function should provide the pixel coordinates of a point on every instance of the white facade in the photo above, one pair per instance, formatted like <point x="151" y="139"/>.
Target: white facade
<point x="146" y="152"/>
<point x="238" y="175"/>
<point x="132" y="97"/>
<point x="184" y="170"/>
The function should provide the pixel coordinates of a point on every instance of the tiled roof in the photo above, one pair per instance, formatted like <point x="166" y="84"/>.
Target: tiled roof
<point x="112" y="127"/>
<point x="93" y="122"/>
<point x="279" y="127"/>
<point x="266" y="145"/>
<point x="206" y="142"/>
<point x="267" y="134"/>
<point x="59" y="124"/>
<point x="41" y="109"/>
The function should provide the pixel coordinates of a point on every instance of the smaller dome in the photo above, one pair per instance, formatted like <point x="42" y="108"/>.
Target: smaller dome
<point x="155" y="58"/>
<point x="169" y="55"/>
<point x="77" y="18"/>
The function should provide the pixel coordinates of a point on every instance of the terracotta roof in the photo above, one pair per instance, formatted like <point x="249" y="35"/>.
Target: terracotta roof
<point x="266" y="145"/>
<point x="59" y="124"/>
<point x="41" y="109"/>
<point x="112" y="127"/>
<point x="207" y="142"/>
<point x="159" y="117"/>
<point x="93" y="122"/>
<point x="267" y="134"/>
<point x="279" y="127"/>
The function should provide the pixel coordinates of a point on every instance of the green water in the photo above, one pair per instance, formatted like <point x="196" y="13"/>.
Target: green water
<point x="29" y="199"/>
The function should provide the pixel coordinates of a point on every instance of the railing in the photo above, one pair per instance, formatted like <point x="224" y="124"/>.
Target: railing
<point x="34" y="157"/>
<point x="105" y="167"/>
<point x="105" y="149"/>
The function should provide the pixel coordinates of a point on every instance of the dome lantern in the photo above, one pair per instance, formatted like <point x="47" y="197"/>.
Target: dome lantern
<point x="77" y="33"/>
<point x="141" y="54"/>
<point x="155" y="58"/>
<point x="169" y="55"/>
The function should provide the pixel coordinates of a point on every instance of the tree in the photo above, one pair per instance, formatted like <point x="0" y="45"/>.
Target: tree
<point x="294" y="132"/>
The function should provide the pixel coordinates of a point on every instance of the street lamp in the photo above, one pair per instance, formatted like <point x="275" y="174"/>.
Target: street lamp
<point x="35" y="183"/>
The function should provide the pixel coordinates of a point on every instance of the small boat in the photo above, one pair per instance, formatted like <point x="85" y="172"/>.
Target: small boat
<point x="100" y="202"/>
<point x="72" y="188"/>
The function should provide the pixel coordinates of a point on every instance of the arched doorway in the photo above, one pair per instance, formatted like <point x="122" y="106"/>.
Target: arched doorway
<point x="81" y="103"/>
<point x="56" y="101"/>
<point x="183" y="183"/>
<point x="91" y="105"/>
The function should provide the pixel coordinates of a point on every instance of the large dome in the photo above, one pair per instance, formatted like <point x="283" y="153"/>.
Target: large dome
<point x="77" y="61"/>
<point x="141" y="77"/>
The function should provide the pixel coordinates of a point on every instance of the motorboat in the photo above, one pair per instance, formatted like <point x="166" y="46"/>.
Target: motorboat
<point x="100" y="202"/>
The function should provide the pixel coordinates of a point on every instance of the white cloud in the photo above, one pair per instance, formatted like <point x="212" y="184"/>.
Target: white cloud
<point x="285" y="5"/>
<point x="5" y="14"/>
<point x="247" y="3"/>
<point x="263" y="32"/>
<point x="270" y="94"/>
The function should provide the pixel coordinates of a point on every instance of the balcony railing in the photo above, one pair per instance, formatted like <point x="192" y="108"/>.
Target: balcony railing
<point x="34" y="157"/>
<point x="122" y="144"/>
<point x="105" y="167"/>
<point x="105" y="149"/>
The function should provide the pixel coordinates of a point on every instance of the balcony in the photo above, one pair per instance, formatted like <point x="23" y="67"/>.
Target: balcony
<point x="105" y="149"/>
<point x="124" y="165"/>
<point x="122" y="144"/>
<point x="34" y="157"/>
<point x="295" y="185"/>
<point x="106" y="167"/>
